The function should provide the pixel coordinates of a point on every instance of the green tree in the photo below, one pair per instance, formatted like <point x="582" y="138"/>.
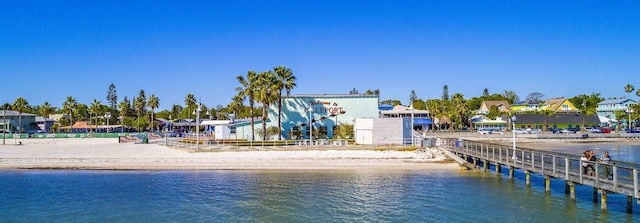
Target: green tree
<point x="125" y="109"/>
<point x="547" y="113"/>
<point x="46" y="109"/>
<point x="412" y="97"/>
<point x="511" y="96"/>
<point x="153" y="103"/>
<point x="20" y="105"/>
<point x="69" y="106"/>
<point x="285" y="80"/>
<point x="96" y="109"/>
<point x="190" y="104"/>
<point x="139" y="105"/>
<point x="236" y="105"/>
<point x="586" y="104"/>
<point x="372" y="92"/>
<point x="267" y="94"/>
<point x="391" y="102"/>
<point x="445" y="93"/>
<point x="436" y="109"/>
<point x="112" y="97"/>
<point x="247" y="89"/>
<point x="176" y="110"/>
<point x="629" y="88"/>
<point x="459" y="110"/>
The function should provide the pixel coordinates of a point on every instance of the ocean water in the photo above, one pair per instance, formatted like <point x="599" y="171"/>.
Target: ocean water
<point x="297" y="196"/>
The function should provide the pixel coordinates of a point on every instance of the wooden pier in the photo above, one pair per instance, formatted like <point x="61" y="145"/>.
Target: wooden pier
<point x="552" y="165"/>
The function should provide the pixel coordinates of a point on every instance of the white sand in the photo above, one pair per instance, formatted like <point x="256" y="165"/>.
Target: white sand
<point x="109" y="154"/>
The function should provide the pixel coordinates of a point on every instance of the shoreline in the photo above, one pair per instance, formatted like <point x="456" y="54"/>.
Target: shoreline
<point x="108" y="154"/>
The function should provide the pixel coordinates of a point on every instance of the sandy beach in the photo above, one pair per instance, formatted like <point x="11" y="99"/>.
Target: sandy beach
<point x="108" y="154"/>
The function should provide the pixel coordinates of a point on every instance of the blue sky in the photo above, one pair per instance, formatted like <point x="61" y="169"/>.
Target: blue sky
<point x="53" y="49"/>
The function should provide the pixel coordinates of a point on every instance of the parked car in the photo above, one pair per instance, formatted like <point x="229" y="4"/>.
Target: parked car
<point x="534" y="131"/>
<point x="633" y="130"/>
<point x="593" y="130"/>
<point x="568" y="131"/>
<point x="605" y="129"/>
<point x="520" y="131"/>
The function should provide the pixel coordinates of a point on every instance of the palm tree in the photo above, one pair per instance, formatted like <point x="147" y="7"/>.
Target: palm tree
<point x="285" y="81"/>
<point x="46" y="109"/>
<point x="20" y="105"/>
<point x="138" y="106"/>
<point x="96" y="109"/>
<point x="629" y="88"/>
<point x="434" y="107"/>
<point x="460" y="108"/>
<point x="124" y="106"/>
<point x="175" y="111"/>
<point x="547" y="113"/>
<point x="235" y="105"/>
<point x="69" y="106"/>
<point x="189" y="102"/>
<point x="153" y="103"/>
<point x="267" y="94"/>
<point x="247" y="90"/>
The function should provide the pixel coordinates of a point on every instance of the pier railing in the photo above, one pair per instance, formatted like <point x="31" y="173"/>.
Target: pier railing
<point x="622" y="178"/>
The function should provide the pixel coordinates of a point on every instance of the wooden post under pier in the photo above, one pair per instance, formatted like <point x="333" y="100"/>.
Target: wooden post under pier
<point x="595" y="195"/>
<point x="527" y="175"/>
<point x="630" y="204"/>
<point x="498" y="168"/>
<point x="603" y="199"/>
<point x="547" y="183"/>
<point x="511" y="169"/>
<point x="486" y="164"/>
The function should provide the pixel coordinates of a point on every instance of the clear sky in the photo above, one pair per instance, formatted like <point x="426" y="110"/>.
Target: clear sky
<point x="51" y="49"/>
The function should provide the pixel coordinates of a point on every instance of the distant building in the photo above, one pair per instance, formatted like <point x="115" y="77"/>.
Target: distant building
<point x="608" y="107"/>
<point x="557" y="105"/>
<point x="421" y="118"/>
<point x="558" y="121"/>
<point x="10" y="120"/>
<point x="485" y="107"/>
<point x="322" y="111"/>
<point x="44" y="124"/>
<point x="481" y="121"/>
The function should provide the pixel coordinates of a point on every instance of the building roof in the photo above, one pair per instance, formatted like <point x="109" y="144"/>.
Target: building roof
<point x="490" y="104"/>
<point x="616" y="101"/>
<point x="331" y="96"/>
<point x="14" y="113"/>
<point x="555" y="103"/>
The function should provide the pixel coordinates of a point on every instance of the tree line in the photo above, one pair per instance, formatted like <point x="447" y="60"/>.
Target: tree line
<point x="263" y="89"/>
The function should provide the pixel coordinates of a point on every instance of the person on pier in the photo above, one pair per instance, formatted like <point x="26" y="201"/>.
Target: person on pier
<point x="606" y="160"/>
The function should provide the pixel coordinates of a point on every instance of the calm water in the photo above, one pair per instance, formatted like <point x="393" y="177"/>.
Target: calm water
<point x="298" y="196"/>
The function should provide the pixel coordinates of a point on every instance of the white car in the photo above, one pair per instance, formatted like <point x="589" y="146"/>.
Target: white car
<point x="485" y="131"/>
<point x="520" y="131"/>
<point x="534" y="131"/>
<point x="593" y="130"/>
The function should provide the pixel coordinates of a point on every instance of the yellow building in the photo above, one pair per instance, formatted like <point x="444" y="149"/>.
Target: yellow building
<point x="557" y="105"/>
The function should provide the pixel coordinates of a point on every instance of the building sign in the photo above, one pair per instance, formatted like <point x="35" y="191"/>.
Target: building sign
<point x="325" y="107"/>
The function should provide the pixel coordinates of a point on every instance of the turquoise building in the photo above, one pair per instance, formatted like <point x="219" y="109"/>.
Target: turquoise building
<point x="323" y="111"/>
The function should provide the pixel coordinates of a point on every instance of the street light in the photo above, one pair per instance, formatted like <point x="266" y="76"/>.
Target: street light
<point x="197" y="111"/>
<point x="4" y="124"/>
<point x="629" y="110"/>
<point x="310" y="127"/>
<point x="513" y="130"/>
<point x="411" y="130"/>
<point x="107" y="116"/>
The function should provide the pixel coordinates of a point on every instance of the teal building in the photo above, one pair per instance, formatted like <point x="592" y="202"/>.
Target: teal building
<point x="323" y="111"/>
